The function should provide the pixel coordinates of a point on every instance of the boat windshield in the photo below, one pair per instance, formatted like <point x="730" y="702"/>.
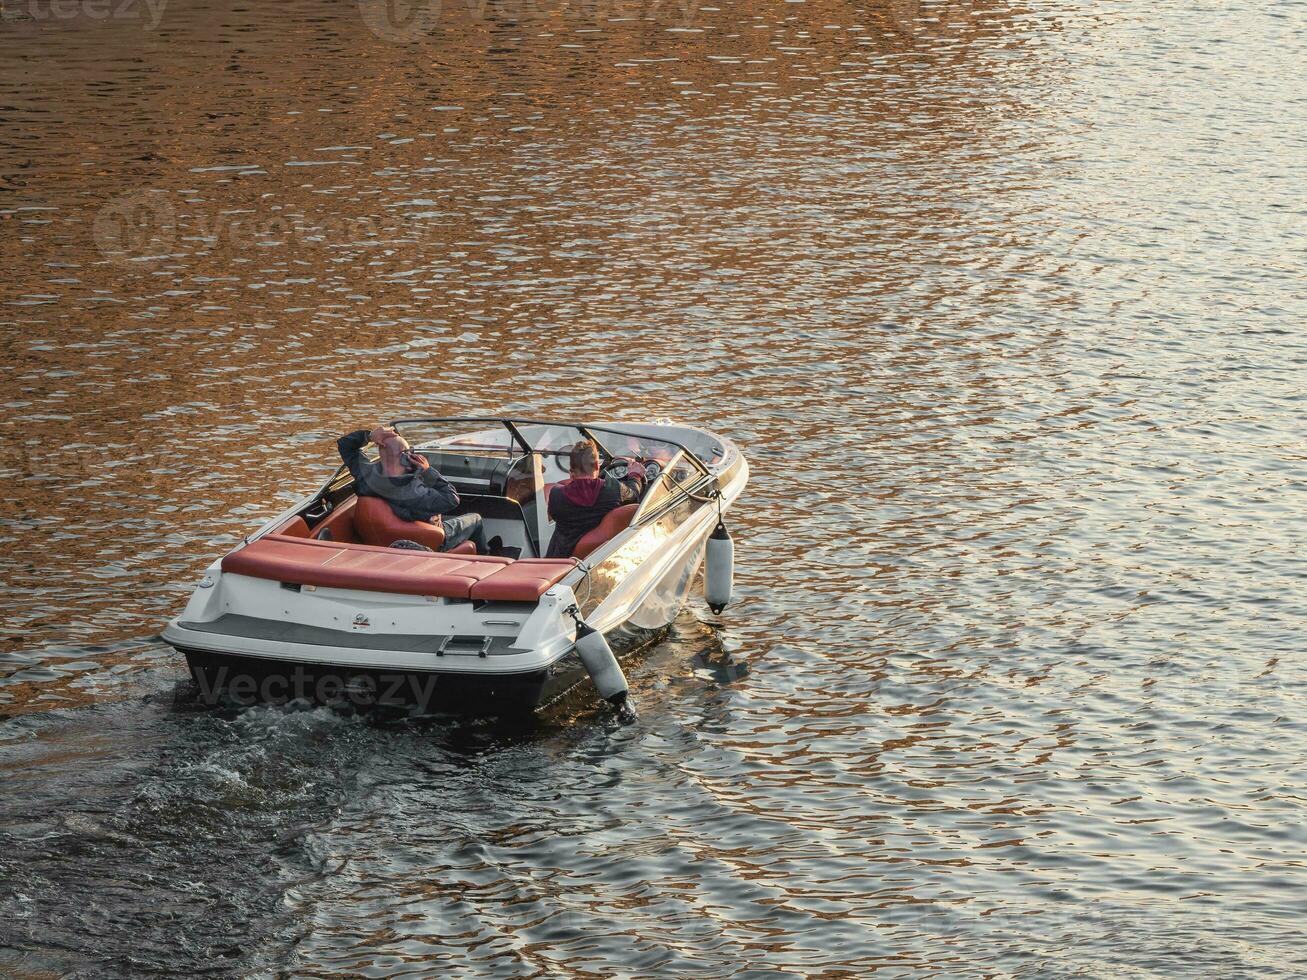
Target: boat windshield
<point x="464" y="438"/>
<point x="672" y="481"/>
<point x="674" y="471"/>
<point x="550" y="440"/>
<point x="503" y="469"/>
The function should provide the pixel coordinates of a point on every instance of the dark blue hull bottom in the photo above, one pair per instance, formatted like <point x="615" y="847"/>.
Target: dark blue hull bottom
<point x="232" y="679"/>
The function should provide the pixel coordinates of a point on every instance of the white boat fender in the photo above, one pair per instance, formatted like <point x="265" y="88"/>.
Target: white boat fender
<point x="603" y="668"/>
<point x="719" y="569"/>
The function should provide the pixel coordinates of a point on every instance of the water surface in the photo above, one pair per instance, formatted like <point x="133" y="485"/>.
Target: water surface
<point x="1002" y="299"/>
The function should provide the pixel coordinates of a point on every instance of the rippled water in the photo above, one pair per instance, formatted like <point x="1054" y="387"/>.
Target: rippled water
<point x="1003" y="300"/>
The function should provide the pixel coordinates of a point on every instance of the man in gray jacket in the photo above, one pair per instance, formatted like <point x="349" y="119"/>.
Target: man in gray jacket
<point x="413" y="488"/>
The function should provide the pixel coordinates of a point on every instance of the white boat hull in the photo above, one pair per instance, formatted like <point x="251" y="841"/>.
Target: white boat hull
<point x="249" y="639"/>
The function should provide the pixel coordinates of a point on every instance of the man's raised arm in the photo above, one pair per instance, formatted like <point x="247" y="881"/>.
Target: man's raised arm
<point x="351" y="451"/>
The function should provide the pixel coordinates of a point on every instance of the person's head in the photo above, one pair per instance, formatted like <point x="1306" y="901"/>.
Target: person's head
<point x="394" y="453"/>
<point x="583" y="459"/>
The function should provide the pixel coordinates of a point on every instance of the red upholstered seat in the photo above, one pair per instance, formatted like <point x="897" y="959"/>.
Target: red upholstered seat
<point x="525" y="580"/>
<point x="377" y="525"/>
<point x="614" y="523"/>
<point x="340" y="523"/>
<point x="332" y="564"/>
<point x="296" y="527"/>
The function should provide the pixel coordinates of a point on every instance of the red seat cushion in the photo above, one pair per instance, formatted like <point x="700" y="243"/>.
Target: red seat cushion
<point x="296" y="527"/>
<point x="614" y="523"/>
<point x="340" y="522"/>
<point x="377" y="525"/>
<point x="525" y="580"/>
<point x="332" y="564"/>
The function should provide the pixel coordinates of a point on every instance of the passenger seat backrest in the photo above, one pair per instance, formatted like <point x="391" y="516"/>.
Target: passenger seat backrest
<point x="340" y="522"/>
<point x="377" y="525"/>
<point x="296" y="527"/>
<point x="614" y="523"/>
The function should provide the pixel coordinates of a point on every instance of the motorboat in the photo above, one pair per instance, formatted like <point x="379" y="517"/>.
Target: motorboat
<point x="317" y="604"/>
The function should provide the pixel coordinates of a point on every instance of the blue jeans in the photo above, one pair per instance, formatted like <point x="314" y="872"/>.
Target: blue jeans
<point x="462" y="528"/>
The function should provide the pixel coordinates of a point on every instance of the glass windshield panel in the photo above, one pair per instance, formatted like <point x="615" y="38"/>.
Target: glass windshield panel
<point x="553" y="443"/>
<point x="656" y="495"/>
<point x="661" y="486"/>
<point x="638" y="446"/>
<point x="551" y="438"/>
<point x="492" y="437"/>
<point x="675" y="479"/>
<point x="684" y="472"/>
<point x="464" y="437"/>
<point x="494" y="434"/>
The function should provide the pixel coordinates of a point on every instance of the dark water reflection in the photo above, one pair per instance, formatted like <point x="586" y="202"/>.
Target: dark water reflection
<point x="1003" y="301"/>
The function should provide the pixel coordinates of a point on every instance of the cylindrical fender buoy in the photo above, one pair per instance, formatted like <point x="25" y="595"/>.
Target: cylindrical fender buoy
<point x="719" y="569"/>
<point x="604" y="670"/>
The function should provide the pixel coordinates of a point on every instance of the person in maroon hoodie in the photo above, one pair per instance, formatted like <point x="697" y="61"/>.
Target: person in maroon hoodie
<point x="578" y="504"/>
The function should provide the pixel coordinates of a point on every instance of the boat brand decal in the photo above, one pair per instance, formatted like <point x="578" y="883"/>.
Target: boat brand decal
<point x="361" y="622"/>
